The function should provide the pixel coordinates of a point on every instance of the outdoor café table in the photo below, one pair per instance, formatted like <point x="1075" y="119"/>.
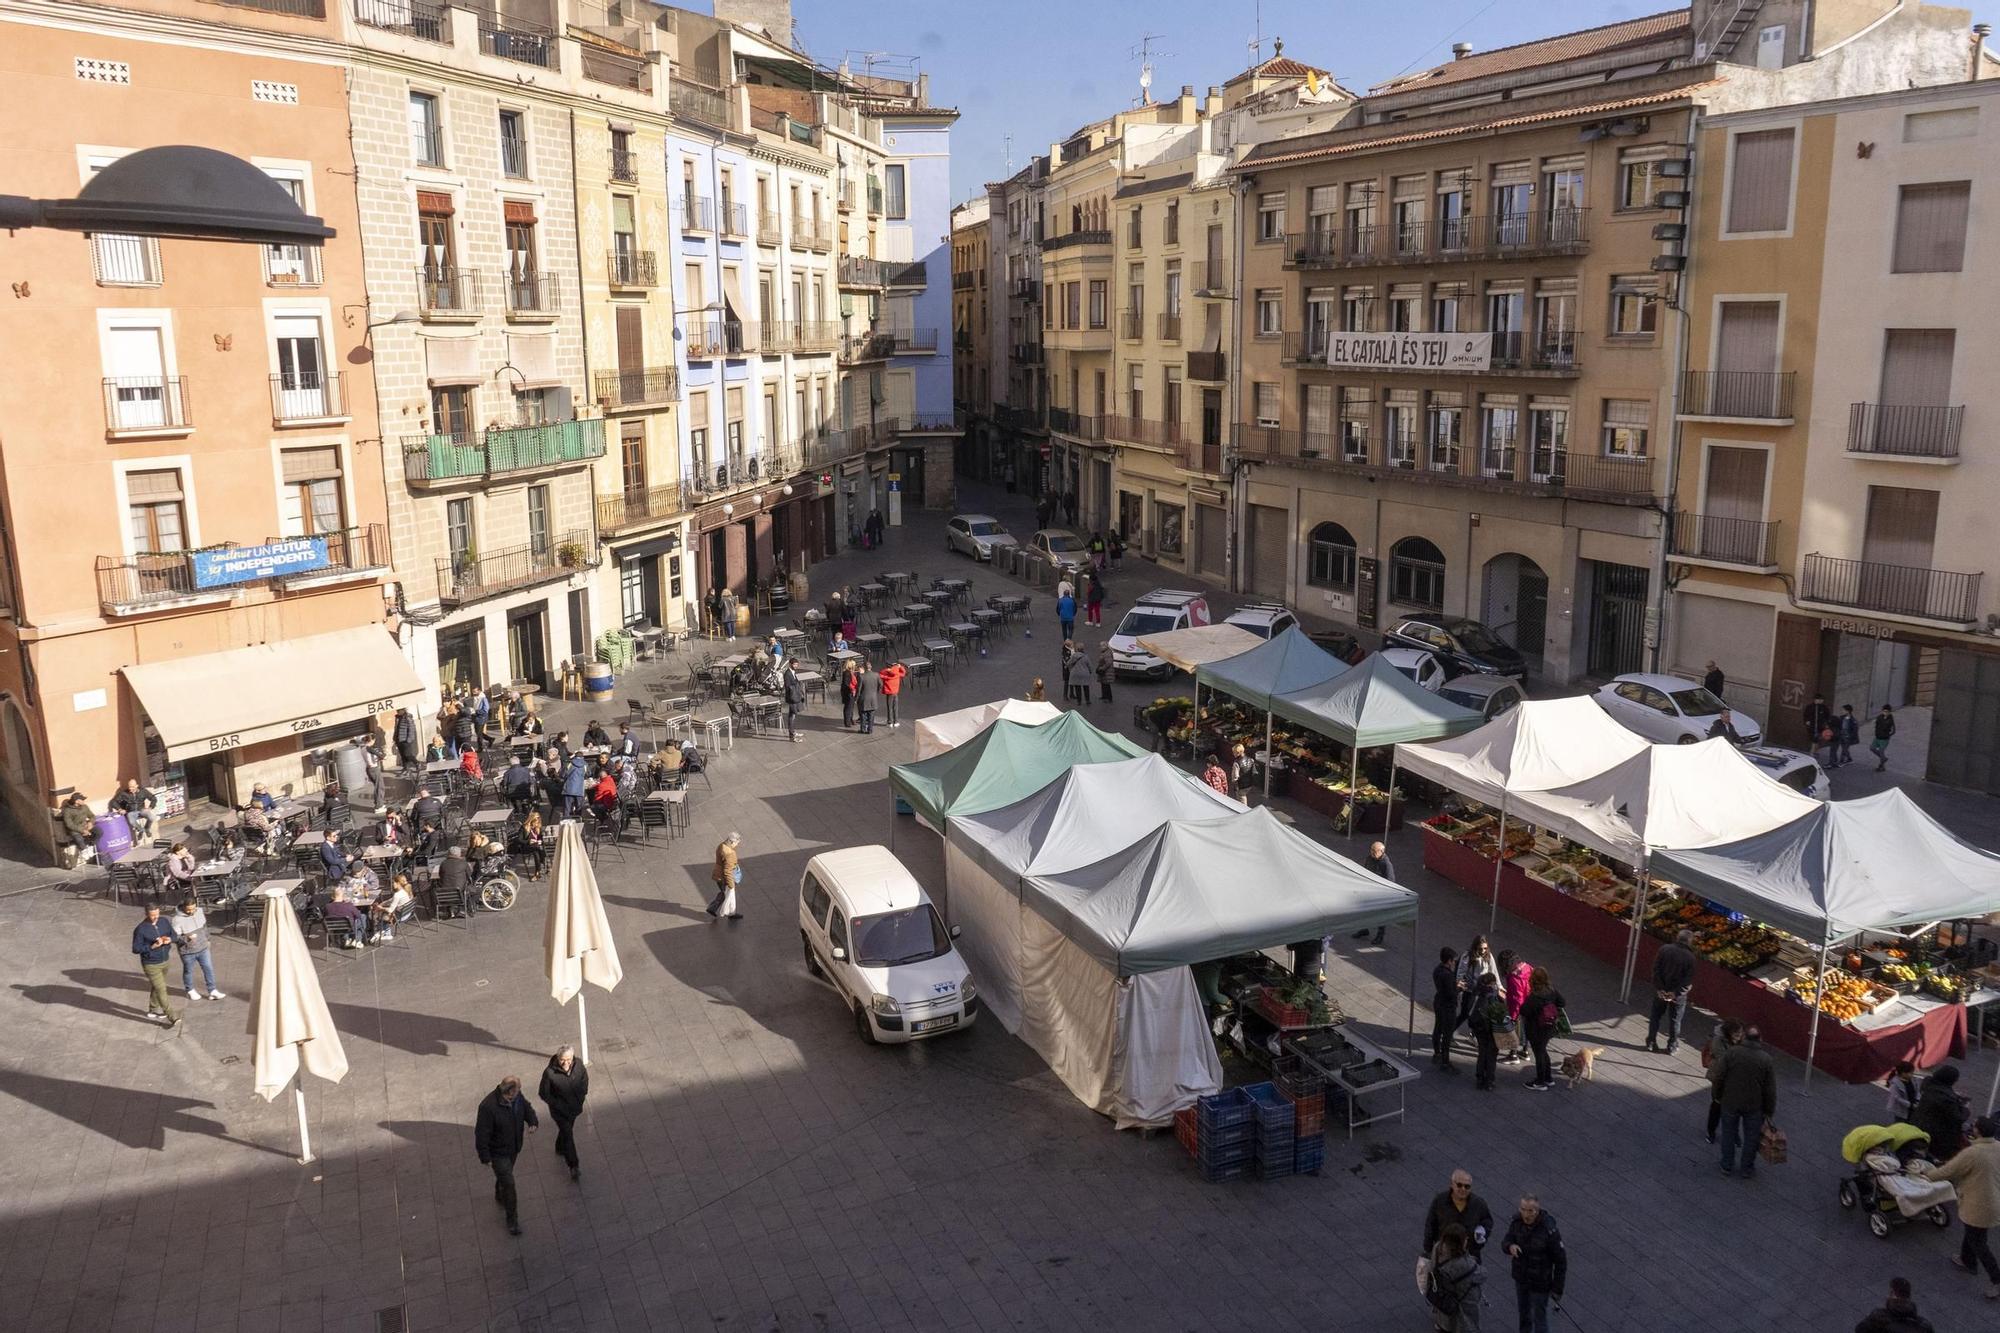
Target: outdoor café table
<point x="939" y="647"/>
<point x="898" y="579"/>
<point x="284" y="810"/>
<point x="872" y="643"/>
<point x="292" y="888"/>
<point x="940" y="597"/>
<point x="965" y="631"/>
<point x="310" y="838"/>
<point x="872" y="593"/>
<point x="785" y="634"/>
<point x="920" y="669"/>
<point x="221" y="869"/>
<point x="812" y="681"/>
<point x="1010" y="605"/>
<point x="139" y="856"/>
<point x="496" y="815"/>
<point x="765" y="710"/>
<point x="731" y="662"/>
<point x="921" y="612"/>
<point x="986" y="618"/>
<point x="844" y="656"/>
<point x="895" y="625"/>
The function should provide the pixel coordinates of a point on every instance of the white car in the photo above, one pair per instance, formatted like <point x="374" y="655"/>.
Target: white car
<point x="976" y="535"/>
<point x="1157" y="612"/>
<point x="1671" y="710"/>
<point x="1266" y="620"/>
<point x="1800" y="772"/>
<point x="1488" y="696"/>
<point x="1418" y="665"/>
<point x="871" y="931"/>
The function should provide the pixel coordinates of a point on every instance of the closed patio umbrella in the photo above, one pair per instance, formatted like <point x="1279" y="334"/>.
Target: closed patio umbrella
<point x="289" y="1022"/>
<point x="577" y="945"/>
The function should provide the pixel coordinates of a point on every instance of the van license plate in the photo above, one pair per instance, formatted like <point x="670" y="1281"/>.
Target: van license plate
<point x="933" y="1024"/>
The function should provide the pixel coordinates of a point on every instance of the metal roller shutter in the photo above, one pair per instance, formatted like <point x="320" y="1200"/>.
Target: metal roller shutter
<point x="1270" y="552"/>
<point x="1211" y="541"/>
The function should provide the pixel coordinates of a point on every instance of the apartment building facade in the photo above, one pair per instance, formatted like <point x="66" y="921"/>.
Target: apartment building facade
<point x="972" y="316"/>
<point x="193" y="502"/>
<point x="1017" y="358"/>
<point x="1830" y="533"/>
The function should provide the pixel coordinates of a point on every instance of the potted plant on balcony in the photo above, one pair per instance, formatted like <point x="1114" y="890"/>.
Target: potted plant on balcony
<point x="570" y="555"/>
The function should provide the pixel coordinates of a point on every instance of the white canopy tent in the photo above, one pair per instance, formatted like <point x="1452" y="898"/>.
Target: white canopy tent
<point x="946" y="731"/>
<point x="1197" y="645"/>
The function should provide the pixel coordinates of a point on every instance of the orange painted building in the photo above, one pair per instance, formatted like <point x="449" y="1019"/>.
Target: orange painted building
<point x="189" y="481"/>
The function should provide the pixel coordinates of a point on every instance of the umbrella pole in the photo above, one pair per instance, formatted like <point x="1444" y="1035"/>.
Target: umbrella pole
<point x="1268" y="756"/>
<point x="582" y="1030"/>
<point x="1499" y="857"/>
<point x="305" y="1135"/>
<point x="1819" y="991"/>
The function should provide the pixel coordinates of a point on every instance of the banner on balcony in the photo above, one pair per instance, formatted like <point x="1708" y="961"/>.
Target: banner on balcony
<point x="247" y="564"/>
<point x="1441" y="352"/>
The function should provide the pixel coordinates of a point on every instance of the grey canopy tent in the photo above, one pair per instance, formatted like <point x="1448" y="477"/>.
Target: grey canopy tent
<point x="1874" y="863"/>
<point x="1002" y="764"/>
<point x="1281" y="664"/>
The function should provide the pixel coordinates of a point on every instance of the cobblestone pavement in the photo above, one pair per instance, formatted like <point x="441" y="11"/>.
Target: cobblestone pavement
<point x="749" y="1165"/>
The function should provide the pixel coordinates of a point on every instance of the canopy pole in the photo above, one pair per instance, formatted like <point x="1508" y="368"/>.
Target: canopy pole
<point x="1410" y="1047"/>
<point x="582" y="1030"/>
<point x="1353" y="784"/>
<point x="305" y="1135"/>
<point x="1994" y="1095"/>
<point x="1638" y="915"/>
<point x="1389" y="809"/>
<point x="1819" y="993"/>
<point x="1499" y="857"/>
<point x="1269" y="755"/>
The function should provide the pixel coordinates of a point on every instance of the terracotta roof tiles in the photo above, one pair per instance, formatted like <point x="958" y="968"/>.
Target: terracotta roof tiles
<point x="1547" y="51"/>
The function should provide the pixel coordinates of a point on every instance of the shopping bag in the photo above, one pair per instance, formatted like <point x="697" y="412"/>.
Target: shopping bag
<point x="1773" y="1146"/>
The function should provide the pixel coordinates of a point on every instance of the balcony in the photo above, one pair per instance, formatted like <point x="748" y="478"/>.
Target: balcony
<point x="1897" y="590"/>
<point x="502" y="451"/>
<point x="305" y="9"/>
<point x="616" y="69"/>
<point x="1332" y="247"/>
<point x="914" y="276"/>
<point x="710" y="480"/>
<point x="1740" y="543"/>
<point x="1907" y="431"/>
<point x="933" y="423"/>
<point x="512" y="39"/>
<point x="814" y="337"/>
<point x="407" y="18"/>
<point x="912" y="342"/>
<point x="1738" y="395"/>
<point x="691" y="101"/>
<point x="858" y="347"/>
<point x="1025" y="289"/>
<point x="303" y="397"/>
<point x="1541" y="470"/>
<point x="473" y="577"/>
<point x="619" y="389"/>
<point x="709" y="339"/>
<point x="771" y="229"/>
<point x="1208" y="367"/>
<point x="533" y="295"/>
<point x="448" y="293"/>
<point x="1076" y="424"/>
<point x="1307" y="348"/>
<point x="289" y="265"/>
<point x="624" y="165"/>
<point x="1168" y="328"/>
<point x="859" y="271"/>
<point x="157" y="580"/>
<point x="1140" y="430"/>
<point x="1131" y="325"/>
<point x="1211" y="280"/>
<point x="633" y="508"/>
<point x="1199" y="455"/>
<point x="631" y="268"/>
<point x="1028" y="354"/>
<point x="732" y="221"/>
<point x="136" y="405"/>
<point x="349" y="552"/>
<point x="1551" y="353"/>
<point x="696" y="213"/>
<point x="814" y="236"/>
<point x="1069" y="240"/>
<point x="1563" y="231"/>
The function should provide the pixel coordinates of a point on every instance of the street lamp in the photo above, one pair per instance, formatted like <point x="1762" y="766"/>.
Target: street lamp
<point x="179" y="191"/>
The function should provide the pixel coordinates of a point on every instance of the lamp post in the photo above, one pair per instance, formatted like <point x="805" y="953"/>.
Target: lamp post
<point x="178" y="191"/>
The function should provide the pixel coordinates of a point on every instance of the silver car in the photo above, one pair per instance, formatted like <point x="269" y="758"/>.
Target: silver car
<point x="976" y="535"/>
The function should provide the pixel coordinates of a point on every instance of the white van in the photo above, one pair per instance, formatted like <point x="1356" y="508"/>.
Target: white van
<point x="871" y="931"/>
<point x="1157" y="612"/>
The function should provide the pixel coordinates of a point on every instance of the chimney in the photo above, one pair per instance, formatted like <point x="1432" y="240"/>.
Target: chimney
<point x="773" y="16"/>
<point x="1980" y="32"/>
<point x="1184" y="106"/>
<point x="1212" y="104"/>
<point x="1460" y="50"/>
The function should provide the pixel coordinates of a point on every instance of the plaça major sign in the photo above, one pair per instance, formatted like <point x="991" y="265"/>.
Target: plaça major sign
<point x="1450" y="352"/>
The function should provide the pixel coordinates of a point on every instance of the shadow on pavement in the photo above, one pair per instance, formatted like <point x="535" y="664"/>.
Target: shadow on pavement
<point x="126" y="1116"/>
<point x="419" y="1034"/>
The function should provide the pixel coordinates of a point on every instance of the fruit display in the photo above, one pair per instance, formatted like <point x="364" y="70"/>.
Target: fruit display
<point x="1840" y="993"/>
<point x="1953" y="989"/>
<point x="1899" y="974"/>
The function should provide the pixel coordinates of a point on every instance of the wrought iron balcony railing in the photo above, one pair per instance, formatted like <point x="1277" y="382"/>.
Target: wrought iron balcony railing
<point x="1733" y="541"/>
<point x="310" y="395"/>
<point x="1757" y="395"/>
<point x="472" y="577"/>
<point x="1906" y="590"/>
<point x="632" y="268"/>
<point x="141" y="404"/>
<point x="1897" y="430"/>
<point x="638" y="388"/>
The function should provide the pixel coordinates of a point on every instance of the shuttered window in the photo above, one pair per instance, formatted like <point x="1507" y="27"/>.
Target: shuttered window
<point x="1902" y="527"/>
<point x="1760" y="182"/>
<point x="311" y="464"/>
<point x="1916" y="366"/>
<point x="1930" y="227"/>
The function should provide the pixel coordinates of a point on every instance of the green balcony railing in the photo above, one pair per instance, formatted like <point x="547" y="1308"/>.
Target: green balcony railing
<point x="501" y="451"/>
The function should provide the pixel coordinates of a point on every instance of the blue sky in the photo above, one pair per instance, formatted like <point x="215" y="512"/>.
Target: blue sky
<point x="1039" y="68"/>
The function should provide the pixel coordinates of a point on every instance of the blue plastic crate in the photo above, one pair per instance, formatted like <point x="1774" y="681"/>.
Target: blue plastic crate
<point x="1310" y="1154"/>
<point x="1231" y="1171"/>
<point x="1275" y="1168"/>
<point x="1244" y="1134"/>
<point x="1224" y="1109"/>
<point x="1274" y="1109"/>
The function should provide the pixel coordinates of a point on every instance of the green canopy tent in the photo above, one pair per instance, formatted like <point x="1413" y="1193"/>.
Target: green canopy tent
<point x="1374" y="704"/>
<point x="1002" y="764"/>
<point x="1281" y="664"/>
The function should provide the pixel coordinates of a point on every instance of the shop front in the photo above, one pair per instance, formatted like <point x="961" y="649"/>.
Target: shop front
<point x="651" y="586"/>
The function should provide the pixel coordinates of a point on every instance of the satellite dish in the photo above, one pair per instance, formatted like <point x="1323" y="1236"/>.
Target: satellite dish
<point x="1145" y="76"/>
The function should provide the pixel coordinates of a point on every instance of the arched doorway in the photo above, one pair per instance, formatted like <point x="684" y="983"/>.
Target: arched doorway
<point x="1514" y="603"/>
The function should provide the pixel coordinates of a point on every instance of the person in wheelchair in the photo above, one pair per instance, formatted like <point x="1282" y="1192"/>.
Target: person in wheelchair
<point x="485" y="857"/>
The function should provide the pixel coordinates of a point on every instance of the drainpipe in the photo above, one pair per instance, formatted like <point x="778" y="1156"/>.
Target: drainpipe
<point x="1232" y="458"/>
<point x="1674" y="446"/>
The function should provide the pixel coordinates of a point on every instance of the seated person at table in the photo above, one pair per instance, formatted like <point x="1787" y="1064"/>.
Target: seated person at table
<point x="334" y="858"/>
<point x="436" y="752"/>
<point x="426" y="809"/>
<point x="229" y="845"/>
<point x="517" y="784"/>
<point x="357" y="924"/>
<point x="604" y="793"/>
<point x="394" y="831"/>
<point x="260" y="795"/>
<point x="468" y="764"/>
<point x="138" y="806"/>
<point x="527" y="724"/>
<point x="382" y="915"/>
<point x="180" y="868"/>
<point x="478" y="848"/>
<point x="691" y="759"/>
<point x="258" y="829"/>
<point x="562" y="747"/>
<point x="627" y="747"/>
<point x="526" y="840"/>
<point x="362" y="879"/>
<point x="595" y="734"/>
<point x="665" y="767"/>
<point x="838" y="643"/>
<point x="429" y="843"/>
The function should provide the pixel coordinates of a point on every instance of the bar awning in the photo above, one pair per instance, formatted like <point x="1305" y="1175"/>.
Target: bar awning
<point x="218" y="701"/>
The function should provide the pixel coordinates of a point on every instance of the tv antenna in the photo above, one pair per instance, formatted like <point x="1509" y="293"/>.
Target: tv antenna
<point x="1144" y="54"/>
<point x="1257" y="37"/>
<point x="1010" y="154"/>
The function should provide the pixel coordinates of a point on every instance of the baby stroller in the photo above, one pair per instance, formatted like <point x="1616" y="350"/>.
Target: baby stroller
<point x="1884" y="1186"/>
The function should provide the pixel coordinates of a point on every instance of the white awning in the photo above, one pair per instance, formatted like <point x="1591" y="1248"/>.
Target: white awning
<point x="218" y="701"/>
<point x="1199" y="644"/>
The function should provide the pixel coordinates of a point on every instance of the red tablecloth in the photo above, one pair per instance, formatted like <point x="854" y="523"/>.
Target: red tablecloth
<point x="1847" y="1054"/>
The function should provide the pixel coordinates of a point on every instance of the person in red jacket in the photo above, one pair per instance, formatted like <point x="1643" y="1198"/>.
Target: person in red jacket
<point x="892" y="687"/>
<point x="1514" y="978"/>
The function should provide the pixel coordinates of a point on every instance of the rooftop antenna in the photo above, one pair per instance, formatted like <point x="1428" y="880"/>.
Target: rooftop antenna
<point x="1257" y="37"/>
<point x="1010" y="154"/>
<point x="1144" y="53"/>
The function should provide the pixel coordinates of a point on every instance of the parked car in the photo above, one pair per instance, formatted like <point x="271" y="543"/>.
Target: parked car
<point x="1420" y="666"/>
<point x="1800" y="772"/>
<point x="870" y="930"/>
<point x="1671" y="710"/>
<point x="1463" y="646"/>
<point x="1156" y="612"/>
<point x="976" y="535"/>
<point x="1488" y="696"/>
<point x="1341" y="643"/>
<point x="1266" y="620"/>
<point x="1059" y="547"/>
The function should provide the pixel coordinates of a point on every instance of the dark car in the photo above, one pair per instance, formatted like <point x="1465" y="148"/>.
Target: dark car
<point x="1464" y="646"/>
<point x="1341" y="644"/>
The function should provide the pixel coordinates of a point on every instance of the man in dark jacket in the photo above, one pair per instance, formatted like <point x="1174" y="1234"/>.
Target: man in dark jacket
<point x="1459" y="1205"/>
<point x="1379" y="862"/>
<point x="1673" y="980"/>
<point x="517" y="784"/>
<point x="1818" y="718"/>
<point x="404" y="736"/>
<point x="1885" y="728"/>
<point x="1541" y="1264"/>
<point x="795" y="699"/>
<point x="1898" y="1314"/>
<point x="334" y="859"/>
<point x="426" y="809"/>
<point x="152" y="941"/>
<point x="565" y="1083"/>
<point x="1746" y="1087"/>
<point x="1940" y="1112"/>
<point x="497" y="1135"/>
<point x="1444" y="1007"/>
<point x="1713" y="681"/>
<point x="869" y="698"/>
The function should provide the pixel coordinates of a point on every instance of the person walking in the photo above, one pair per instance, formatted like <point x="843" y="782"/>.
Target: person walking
<point x="725" y="605"/>
<point x="1846" y="735"/>
<point x="1902" y="1085"/>
<point x="1885" y="728"/>
<point x="1713" y="681"/>
<point x="1379" y="862"/>
<point x="1487" y="1020"/>
<point x="1093" y="600"/>
<point x="565" y="1083"/>
<point x="1940" y="1112"/>
<point x="191" y="936"/>
<point x="1106" y="668"/>
<point x="1746" y="1083"/>
<point x="728" y="875"/>
<point x="1541" y="1264"/>
<point x="1066" y="614"/>
<point x="1974" y="1171"/>
<point x="403" y="735"/>
<point x="152" y="941"/>
<point x="795" y="699"/>
<point x="1673" y="982"/>
<point x="497" y="1135"/>
<point x="1444" y="1007"/>
<point x="1898" y="1314"/>
<point x="1215" y="775"/>
<point x="1542" y="1017"/>
<point x="1819" y="723"/>
<point x="1452" y="1283"/>
<point x="850" y="691"/>
<point x="892" y="677"/>
<point x="868" y="698"/>
<point x="1721" y="1037"/>
<point x="1516" y="978"/>
<point x="1456" y="1205"/>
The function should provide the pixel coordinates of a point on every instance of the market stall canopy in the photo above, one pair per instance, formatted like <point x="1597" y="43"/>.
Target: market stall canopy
<point x="1875" y="863"/>
<point x="1374" y="704"/>
<point x="1196" y="890"/>
<point x="1280" y="665"/>
<point x="1002" y="764"/>
<point x="1676" y="796"/>
<point x="945" y="731"/>
<point x="1538" y="745"/>
<point x="1086" y="814"/>
<point x="218" y="701"/>
<point x="1192" y="647"/>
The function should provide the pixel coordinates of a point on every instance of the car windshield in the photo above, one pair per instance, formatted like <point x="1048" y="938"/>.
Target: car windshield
<point x="1065" y="541"/>
<point x="1476" y="638"/>
<point x="1473" y="701"/>
<point x="1409" y="669"/>
<point x="1140" y="621"/>
<point x="986" y="529"/>
<point x="1697" y="702"/>
<point x="912" y="935"/>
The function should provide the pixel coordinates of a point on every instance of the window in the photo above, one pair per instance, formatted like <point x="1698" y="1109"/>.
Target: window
<point x="1357" y="305"/>
<point x="1316" y="415"/>
<point x="1330" y="557"/>
<point x="1072" y="309"/>
<point x="514" y="144"/>
<point x="1637" y="182"/>
<point x="1354" y="411"/>
<point x="1135" y="294"/>
<point x="1548" y="440"/>
<point x="1170" y="409"/>
<point x="1135" y="227"/>
<point x="1448" y="307"/>
<point x="538" y="520"/>
<point x="624" y="237"/>
<point x="1264" y="395"/>
<point x="1399" y="429"/>
<point x="312" y="504"/>
<point x="440" y="252"/>
<point x="458" y="531"/>
<point x="122" y="261"/>
<point x="1270" y="312"/>
<point x="1760" y="182"/>
<point x="1499" y="434"/>
<point x="139" y="394"/>
<point x="1626" y="424"/>
<point x="1173" y="223"/>
<point x="290" y="265"/>
<point x="524" y="279"/>
<point x="426" y="131"/>
<point x="1135" y="392"/>
<point x="156" y="512"/>
<point x="1406" y="308"/>
<point x="1099" y="289"/>
<point x="1930" y="227"/>
<point x="1562" y="192"/>
<point x="1443" y="432"/>
<point x="1729" y="525"/>
<point x="303" y="389"/>
<point x="1270" y="217"/>
<point x="624" y="162"/>
<point x="632" y="460"/>
<point x="1416" y="574"/>
<point x="451" y="411"/>
<point x="1454" y="210"/>
<point x="1173" y="308"/>
<point x="1509" y="204"/>
<point x="1635" y="305"/>
<point x="897" y="204"/>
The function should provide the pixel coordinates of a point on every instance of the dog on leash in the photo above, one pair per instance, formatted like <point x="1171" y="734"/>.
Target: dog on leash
<point x="1580" y="1064"/>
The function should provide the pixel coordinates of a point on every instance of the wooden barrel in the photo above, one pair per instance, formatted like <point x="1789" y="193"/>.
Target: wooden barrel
<point x="597" y="682"/>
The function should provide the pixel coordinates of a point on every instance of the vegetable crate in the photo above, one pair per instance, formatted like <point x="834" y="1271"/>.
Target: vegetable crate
<point x="1311" y="1153"/>
<point x="1225" y="1132"/>
<point x="1281" y="1014"/>
<point x="1277" y="1130"/>
<point x="1306" y="1090"/>
<point x="1187" y="1129"/>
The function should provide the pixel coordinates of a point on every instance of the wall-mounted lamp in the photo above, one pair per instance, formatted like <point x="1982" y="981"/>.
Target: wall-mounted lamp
<point x="727" y="510"/>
